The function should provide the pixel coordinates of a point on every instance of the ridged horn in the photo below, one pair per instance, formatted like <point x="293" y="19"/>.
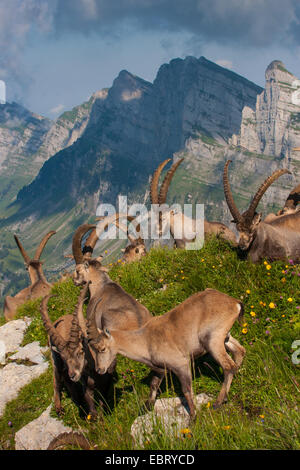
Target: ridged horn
<point x="166" y="182"/>
<point x="249" y="214"/>
<point x="154" y="182"/>
<point x="228" y="195"/>
<point x="69" y="438"/>
<point x="55" y="337"/>
<point x="42" y="245"/>
<point x="92" y="331"/>
<point x="22" y="250"/>
<point x="78" y="320"/>
<point x="77" y="239"/>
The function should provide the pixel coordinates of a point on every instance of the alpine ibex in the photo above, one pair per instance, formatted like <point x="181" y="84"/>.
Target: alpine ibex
<point x="73" y="366"/>
<point x="198" y="325"/>
<point x="109" y="306"/>
<point x="39" y="285"/>
<point x="177" y="221"/>
<point x="276" y="239"/>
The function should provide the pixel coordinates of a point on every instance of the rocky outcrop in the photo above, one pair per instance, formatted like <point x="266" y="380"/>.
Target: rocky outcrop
<point x="15" y="374"/>
<point x="273" y="127"/>
<point x="38" y="434"/>
<point x="170" y="416"/>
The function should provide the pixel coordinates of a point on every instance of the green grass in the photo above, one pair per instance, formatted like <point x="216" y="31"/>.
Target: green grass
<point x="263" y="407"/>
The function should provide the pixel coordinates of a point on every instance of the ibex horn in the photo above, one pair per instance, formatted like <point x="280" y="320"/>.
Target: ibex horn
<point x="55" y="337"/>
<point x="42" y="245"/>
<point x="166" y="182"/>
<point x="228" y="195"/>
<point x="154" y="182"/>
<point x="249" y="214"/>
<point x="22" y="250"/>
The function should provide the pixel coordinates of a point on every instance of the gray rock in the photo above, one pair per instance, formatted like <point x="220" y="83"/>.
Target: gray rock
<point x="38" y="434"/>
<point x="13" y="377"/>
<point x="32" y="352"/>
<point x="169" y="416"/>
<point x="12" y="333"/>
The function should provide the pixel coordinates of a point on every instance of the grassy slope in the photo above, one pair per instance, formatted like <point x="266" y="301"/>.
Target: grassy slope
<point x="263" y="409"/>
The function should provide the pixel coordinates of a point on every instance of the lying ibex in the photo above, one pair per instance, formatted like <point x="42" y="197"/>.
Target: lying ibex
<point x="177" y="221"/>
<point x="290" y="206"/>
<point x="198" y="325"/>
<point x="39" y="285"/>
<point x="73" y="366"/>
<point x="276" y="239"/>
<point x="133" y="252"/>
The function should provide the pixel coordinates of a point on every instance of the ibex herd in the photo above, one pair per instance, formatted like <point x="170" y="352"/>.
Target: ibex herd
<point x="84" y="347"/>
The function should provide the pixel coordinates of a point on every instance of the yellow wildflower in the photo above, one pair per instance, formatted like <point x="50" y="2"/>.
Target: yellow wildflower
<point x="262" y="416"/>
<point x="283" y="279"/>
<point x="271" y="305"/>
<point x="208" y="404"/>
<point x="226" y="428"/>
<point x="245" y="324"/>
<point x="265" y="262"/>
<point x="244" y="331"/>
<point x="268" y="267"/>
<point x="253" y="314"/>
<point x="290" y="299"/>
<point x="89" y="417"/>
<point x="185" y="431"/>
<point x="248" y="291"/>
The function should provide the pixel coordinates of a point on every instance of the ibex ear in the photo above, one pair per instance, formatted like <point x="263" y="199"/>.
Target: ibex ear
<point x="107" y="333"/>
<point x="123" y="250"/>
<point x="257" y="219"/>
<point x="104" y="268"/>
<point x="54" y="348"/>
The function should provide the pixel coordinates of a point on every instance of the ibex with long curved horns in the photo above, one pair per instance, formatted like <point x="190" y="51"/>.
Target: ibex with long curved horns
<point x="73" y="366"/>
<point x="276" y="239"/>
<point x="178" y="222"/>
<point x="39" y="285"/>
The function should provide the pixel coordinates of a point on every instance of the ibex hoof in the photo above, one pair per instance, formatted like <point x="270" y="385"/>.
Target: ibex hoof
<point x="59" y="411"/>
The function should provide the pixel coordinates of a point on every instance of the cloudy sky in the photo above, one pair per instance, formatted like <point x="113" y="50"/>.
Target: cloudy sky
<point x="55" y="53"/>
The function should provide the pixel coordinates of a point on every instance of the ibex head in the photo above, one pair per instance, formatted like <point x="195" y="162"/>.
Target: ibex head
<point x="101" y="347"/>
<point x="248" y="222"/>
<point x="71" y="350"/>
<point x="136" y="248"/>
<point x="33" y="264"/>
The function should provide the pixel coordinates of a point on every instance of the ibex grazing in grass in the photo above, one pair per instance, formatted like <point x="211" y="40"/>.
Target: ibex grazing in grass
<point x="276" y="239"/>
<point x="39" y="285"/>
<point x="177" y="221"/>
<point x="198" y="325"/>
<point x="73" y="366"/>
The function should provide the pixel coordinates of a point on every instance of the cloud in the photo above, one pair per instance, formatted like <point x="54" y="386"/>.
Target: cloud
<point x="224" y="63"/>
<point x="57" y="109"/>
<point x="238" y="23"/>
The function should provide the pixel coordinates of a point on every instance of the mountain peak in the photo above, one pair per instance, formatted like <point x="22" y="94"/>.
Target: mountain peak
<point x="275" y="67"/>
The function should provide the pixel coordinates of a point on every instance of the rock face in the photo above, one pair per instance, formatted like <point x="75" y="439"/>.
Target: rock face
<point x="14" y="376"/>
<point x="134" y="127"/>
<point x="170" y="416"/>
<point x="273" y="127"/>
<point x="38" y="434"/>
